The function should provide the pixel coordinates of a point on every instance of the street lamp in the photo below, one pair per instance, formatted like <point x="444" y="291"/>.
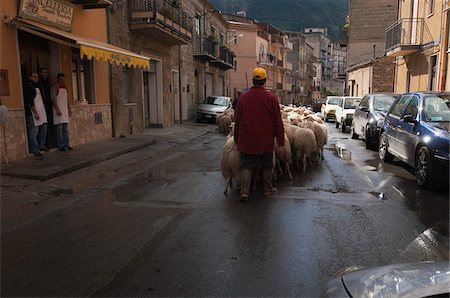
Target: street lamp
<point x="236" y="37"/>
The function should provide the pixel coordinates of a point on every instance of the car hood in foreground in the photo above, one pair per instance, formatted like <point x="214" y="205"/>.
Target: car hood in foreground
<point x="211" y="108"/>
<point x="398" y="280"/>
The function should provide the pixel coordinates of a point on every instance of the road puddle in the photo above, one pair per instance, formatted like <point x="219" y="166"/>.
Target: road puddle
<point x="341" y="151"/>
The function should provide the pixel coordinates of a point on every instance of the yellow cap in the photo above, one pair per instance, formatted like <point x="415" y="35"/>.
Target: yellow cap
<point x="259" y="73"/>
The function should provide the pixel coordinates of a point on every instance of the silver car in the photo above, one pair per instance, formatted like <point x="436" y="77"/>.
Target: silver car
<point x="424" y="279"/>
<point x="212" y="107"/>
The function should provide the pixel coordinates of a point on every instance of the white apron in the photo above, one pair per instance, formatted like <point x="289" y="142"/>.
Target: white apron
<point x="61" y="101"/>
<point x="40" y="109"/>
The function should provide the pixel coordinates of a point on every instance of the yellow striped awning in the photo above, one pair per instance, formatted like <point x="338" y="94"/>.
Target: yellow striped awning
<point x="92" y="49"/>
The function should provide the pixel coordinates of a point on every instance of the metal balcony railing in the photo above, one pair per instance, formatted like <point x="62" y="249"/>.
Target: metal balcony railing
<point x="169" y="9"/>
<point x="279" y="86"/>
<point x="407" y="32"/>
<point x="226" y="55"/>
<point x="280" y="63"/>
<point x="277" y="39"/>
<point x="204" y="46"/>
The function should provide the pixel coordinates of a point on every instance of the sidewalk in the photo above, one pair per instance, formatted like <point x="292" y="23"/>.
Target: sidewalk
<point x="56" y="163"/>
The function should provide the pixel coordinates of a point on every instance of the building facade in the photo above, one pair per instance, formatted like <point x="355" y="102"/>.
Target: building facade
<point x="374" y="76"/>
<point x="419" y="42"/>
<point x="65" y="37"/>
<point x="368" y="20"/>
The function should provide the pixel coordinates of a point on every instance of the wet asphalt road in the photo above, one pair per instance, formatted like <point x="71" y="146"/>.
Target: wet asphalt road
<point x="157" y="224"/>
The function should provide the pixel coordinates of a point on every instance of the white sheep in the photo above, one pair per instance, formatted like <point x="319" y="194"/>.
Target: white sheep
<point x="321" y="134"/>
<point x="304" y="145"/>
<point x="230" y="164"/>
<point x="284" y="155"/>
<point x="224" y="122"/>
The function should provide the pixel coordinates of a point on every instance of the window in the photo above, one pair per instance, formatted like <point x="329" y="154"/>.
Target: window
<point x="82" y="78"/>
<point x="127" y="79"/>
<point x="213" y="31"/>
<point x="399" y="107"/>
<point x="197" y="24"/>
<point x="412" y="107"/>
<point x="222" y="39"/>
<point x="365" y="102"/>
<point x="432" y="73"/>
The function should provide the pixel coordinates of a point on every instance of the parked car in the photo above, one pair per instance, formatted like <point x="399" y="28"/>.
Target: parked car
<point x="422" y="279"/>
<point x="345" y="110"/>
<point x="416" y="131"/>
<point x="317" y="106"/>
<point x="328" y="109"/>
<point x="212" y="107"/>
<point x="369" y="117"/>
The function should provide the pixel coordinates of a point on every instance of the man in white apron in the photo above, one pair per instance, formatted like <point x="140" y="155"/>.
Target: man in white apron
<point x="61" y="112"/>
<point x="34" y="118"/>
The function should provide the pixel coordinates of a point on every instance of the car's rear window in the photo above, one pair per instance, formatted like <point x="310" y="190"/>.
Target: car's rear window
<point x="218" y="101"/>
<point x="351" y="103"/>
<point x="333" y="100"/>
<point x="383" y="102"/>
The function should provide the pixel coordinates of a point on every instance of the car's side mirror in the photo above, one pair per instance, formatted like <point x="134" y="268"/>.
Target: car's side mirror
<point x="409" y="119"/>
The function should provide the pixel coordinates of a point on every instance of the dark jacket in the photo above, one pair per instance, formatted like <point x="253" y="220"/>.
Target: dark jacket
<point x="29" y="93"/>
<point x="258" y="122"/>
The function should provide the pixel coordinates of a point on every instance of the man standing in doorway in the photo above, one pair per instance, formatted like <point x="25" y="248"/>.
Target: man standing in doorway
<point x="35" y="114"/>
<point x="61" y="112"/>
<point x="258" y="123"/>
<point x="44" y="85"/>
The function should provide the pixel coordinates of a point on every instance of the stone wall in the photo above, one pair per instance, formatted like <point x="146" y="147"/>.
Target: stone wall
<point x="383" y="75"/>
<point x="13" y="134"/>
<point x="83" y="127"/>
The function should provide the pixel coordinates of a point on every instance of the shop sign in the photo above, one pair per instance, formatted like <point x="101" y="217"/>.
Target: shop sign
<point x="58" y="13"/>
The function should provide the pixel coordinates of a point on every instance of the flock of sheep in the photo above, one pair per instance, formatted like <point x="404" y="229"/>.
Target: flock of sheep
<point x="304" y="138"/>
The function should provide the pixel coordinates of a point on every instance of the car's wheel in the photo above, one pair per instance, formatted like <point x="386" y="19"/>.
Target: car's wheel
<point x="337" y="124"/>
<point x="383" y="151"/>
<point x="424" y="170"/>
<point x="343" y="125"/>
<point x="354" y="135"/>
<point x="369" y="142"/>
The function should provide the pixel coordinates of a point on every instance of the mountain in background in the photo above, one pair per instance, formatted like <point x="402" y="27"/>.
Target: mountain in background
<point x="291" y="15"/>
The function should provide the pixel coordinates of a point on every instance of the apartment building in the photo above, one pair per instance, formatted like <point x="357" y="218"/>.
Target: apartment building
<point x="260" y="44"/>
<point x="367" y="23"/>
<point x="368" y="70"/>
<point x="419" y="42"/>
<point x="299" y="59"/>
<point x="68" y="37"/>
<point x="186" y="42"/>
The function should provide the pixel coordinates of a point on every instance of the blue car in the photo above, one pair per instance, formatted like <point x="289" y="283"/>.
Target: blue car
<point x="416" y="131"/>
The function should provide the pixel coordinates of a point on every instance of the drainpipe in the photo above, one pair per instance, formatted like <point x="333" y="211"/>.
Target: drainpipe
<point x="110" y="81"/>
<point x="180" y="88"/>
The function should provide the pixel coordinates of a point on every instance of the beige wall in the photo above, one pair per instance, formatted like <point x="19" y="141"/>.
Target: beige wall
<point x="363" y="78"/>
<point x="417" y="65"/>
<point x="246" y="50"/>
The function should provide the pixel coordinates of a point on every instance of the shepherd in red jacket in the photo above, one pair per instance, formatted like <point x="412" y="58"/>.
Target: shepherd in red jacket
<point x="258" y="123"/>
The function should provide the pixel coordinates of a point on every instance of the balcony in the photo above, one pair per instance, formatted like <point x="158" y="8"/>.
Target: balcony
<point x="277" y="40"/>
<point x="161" y="19"/>
<point x="279" y="86"/>
<point x="287" y="46"/>
<point x="267" y="60"/>
<point x="406" y="37"/>
<point x="225" y="59"/>
<point x="280" y="63"/>
<point x="205" y="48"/>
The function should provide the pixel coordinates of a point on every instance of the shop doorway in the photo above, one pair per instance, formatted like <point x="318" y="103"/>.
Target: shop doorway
<point x="36" y="53"/>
